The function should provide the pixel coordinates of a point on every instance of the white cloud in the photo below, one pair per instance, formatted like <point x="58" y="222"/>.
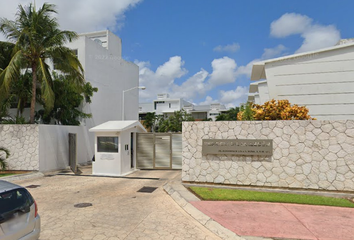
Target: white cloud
<point x="289" y="24"/>
<point x="208" y="100"/>
<point x="316" y="36"/>
<point x="234" y="47"/>
<point x="246" y="70"/>
<point x="193" y="87"/>
<point x="224" y="71"/>
<point x="172" y="68"/>
<point x="162" y="80"/>
<point x="80" y="15"/>
<point x="233" y="98"/>
<point x="273" y="52"/>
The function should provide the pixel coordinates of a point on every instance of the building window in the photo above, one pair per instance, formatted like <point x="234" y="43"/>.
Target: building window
<point x="155" y="103"/>
<point x="169" y="105"/>
<point x="107" y="144"/>
<point x="214" y="114"/>
<point x="75" y="52"/>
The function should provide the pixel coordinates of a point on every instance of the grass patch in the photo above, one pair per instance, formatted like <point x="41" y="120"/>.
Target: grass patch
<point x="6" y="174"/>
<point x="219" y="194"/>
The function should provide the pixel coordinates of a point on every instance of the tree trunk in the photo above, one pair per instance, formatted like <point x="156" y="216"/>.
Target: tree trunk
<point x="34" y="86"/>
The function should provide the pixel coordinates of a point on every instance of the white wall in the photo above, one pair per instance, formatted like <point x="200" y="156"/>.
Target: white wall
<point x="146" y="107"/>
<point x="257" y="99"/>
<point x="106" y="70"/>
<point x="263" y="92"/>
<point x="323" y="82"/>
<point x="162" y="107"/>
<point x="54" y="146"/>
<point x="43" y="147"/>
<point x="107" y="163"/>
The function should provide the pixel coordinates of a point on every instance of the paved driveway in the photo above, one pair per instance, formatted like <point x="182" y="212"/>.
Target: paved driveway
<point x="118" y="211"/>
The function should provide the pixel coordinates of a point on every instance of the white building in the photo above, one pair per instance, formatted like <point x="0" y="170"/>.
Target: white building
<point x="166" y="106"/>
<point x="258" y="92"/>
<point x="321" y="80"/>
<point x="100" y="54"/>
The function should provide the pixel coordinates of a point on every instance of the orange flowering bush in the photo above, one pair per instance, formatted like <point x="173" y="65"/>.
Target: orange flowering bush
<point x="277" y="110"/>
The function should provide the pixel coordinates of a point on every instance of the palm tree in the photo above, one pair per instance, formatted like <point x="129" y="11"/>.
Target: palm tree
<point x="3" y="164"/>
<point x="37" y="40"/>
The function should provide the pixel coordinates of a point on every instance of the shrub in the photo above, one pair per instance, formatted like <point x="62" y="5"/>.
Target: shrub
<point x="276" y="110"/>
<point x="3" y="164"/>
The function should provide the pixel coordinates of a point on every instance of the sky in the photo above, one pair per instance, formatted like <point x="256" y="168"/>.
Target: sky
<point x="203" y="50"/>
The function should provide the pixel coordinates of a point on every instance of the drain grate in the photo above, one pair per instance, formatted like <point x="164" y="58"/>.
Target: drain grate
<point x="147" y="189"/>
<point x="83" y="205"/>
<point x="33" y="186"/>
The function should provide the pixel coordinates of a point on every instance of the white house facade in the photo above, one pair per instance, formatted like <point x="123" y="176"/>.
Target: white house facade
<point x="258" y="92"/>
<point x="166" y="106"/>
<point x="321" y="80"/>
<point x="100" y="54"/>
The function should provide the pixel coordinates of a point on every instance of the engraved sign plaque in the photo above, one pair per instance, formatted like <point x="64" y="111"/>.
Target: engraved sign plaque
<point x="259" y="147"/>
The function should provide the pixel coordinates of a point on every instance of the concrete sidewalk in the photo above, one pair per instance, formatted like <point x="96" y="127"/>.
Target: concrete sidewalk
<point x="259" y="220"/>
<point x="279" y="220"/>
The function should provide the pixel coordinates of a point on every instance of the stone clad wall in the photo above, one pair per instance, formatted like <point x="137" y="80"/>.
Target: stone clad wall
<point x="23" y="143"/>
<point x="43" y="147"/>
<point x="306" y="154"/>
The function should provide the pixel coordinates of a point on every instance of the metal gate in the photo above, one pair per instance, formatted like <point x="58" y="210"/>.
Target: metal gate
<point x="159" y="151"/>
<point x="72" y="152"/>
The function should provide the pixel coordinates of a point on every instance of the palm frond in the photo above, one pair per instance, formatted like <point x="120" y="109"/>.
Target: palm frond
<point x="3" y="164"/>
<point x="67" y="62"/>
<point x="10" y="73"/>
<point x="47" y="83"/>
<point x="6" y="151"/>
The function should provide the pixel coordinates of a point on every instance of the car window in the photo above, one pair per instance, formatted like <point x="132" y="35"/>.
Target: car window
<point x="14" y="200"/>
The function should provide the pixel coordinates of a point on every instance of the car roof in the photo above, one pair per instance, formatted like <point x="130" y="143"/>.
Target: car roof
<point x="7" y="186"/>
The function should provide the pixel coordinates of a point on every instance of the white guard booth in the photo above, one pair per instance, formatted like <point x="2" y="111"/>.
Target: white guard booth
<point x="115" y="147"/>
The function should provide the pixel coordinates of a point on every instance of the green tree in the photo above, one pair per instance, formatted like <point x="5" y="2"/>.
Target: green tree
<point x="5" y="54"/>
<point x="68" y="99"/>
<point x="37" y="40"/>
<point x="230" y="115"/>
<point x="150" y="121"/>
<point x="174" y="122"/>
<point x="4" y="106"/>
<point x="20" y="92"/>
<point x="246" y="113"/>
<point x="3" y="163"/>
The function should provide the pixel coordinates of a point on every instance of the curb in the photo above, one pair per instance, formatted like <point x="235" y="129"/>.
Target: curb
<point x="182" y="197"/>
<point x="31" y="175"/>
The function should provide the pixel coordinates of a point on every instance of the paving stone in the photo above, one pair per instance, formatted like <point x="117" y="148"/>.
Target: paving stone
<point x="118" y="211"/>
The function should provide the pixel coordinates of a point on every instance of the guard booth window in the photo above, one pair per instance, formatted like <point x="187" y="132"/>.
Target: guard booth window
<point x="107" y="144"/>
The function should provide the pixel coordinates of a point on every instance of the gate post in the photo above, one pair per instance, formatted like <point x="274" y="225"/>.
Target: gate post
<point x="73" y="152"/>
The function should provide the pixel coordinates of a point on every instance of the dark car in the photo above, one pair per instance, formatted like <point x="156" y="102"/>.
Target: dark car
<point x="19" y="219"/>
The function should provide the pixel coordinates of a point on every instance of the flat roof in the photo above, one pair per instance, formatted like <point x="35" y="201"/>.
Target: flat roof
<point x="254" y="86"/>
<point x="116" y="126"/>
<point x="258" y="69"/>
